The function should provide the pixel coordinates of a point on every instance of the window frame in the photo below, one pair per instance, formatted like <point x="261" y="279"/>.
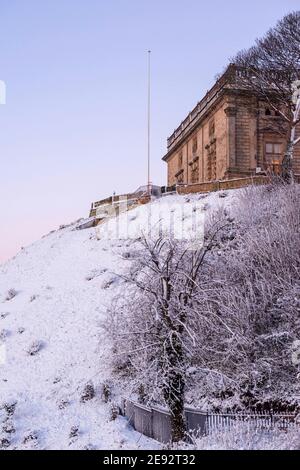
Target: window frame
<point x="273" y="147"/>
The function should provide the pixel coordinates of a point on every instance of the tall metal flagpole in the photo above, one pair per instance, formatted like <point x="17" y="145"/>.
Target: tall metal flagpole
<point x="149" y="119"/>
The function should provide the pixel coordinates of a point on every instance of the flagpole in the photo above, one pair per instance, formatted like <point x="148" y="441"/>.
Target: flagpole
<point x="149" y="121"/>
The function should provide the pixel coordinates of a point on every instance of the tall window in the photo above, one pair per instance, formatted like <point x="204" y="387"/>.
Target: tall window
<point x="194" y="170"/>
<point x="179" y="176"/>
<point x="211" y="129"/>
<point x="180" y="158"/>
<point x="195" y="144"/>
<point x="273" y="156"/>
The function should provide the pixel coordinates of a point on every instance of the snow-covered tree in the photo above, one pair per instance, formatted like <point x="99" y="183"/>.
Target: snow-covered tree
<point x="153" y="329"/>
<point x="271" y="68"/>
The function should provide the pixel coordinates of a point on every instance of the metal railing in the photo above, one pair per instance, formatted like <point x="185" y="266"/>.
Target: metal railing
<point x="257" y="420"/>
<point x="155" y="422"/>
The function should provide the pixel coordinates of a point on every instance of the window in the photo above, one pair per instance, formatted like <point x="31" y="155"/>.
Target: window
<point x="180" y="158"/>
<point x="179" y="176"/>
<point x="273" y="148"/>
<point x="195" y="144"/>
<point x="211" y="128"/>
<point x="269" y="112"/>
<point x="212" y="162"/>
<point x="194" y="164"/>
<point x="277" y="149"/>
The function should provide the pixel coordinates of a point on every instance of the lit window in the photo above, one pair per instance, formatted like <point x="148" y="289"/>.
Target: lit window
<point x="269" y="148"/>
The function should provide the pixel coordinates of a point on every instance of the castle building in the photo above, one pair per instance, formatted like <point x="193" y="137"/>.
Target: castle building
<point x="229" y="134"/>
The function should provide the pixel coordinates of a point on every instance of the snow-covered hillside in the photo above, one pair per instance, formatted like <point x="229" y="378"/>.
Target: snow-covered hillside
<point x="52" y="298"/>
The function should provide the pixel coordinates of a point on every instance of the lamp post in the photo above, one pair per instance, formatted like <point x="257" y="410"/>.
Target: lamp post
<point x="149" y="121"/>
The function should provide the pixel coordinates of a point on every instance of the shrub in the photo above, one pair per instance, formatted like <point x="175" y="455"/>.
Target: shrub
<point x="35" y="348"/>
<point x="74" y="432"/>
<point x="106" y="392"/>
<point x="4" y="443"/>
<point x="11" y="294"/>
<point x="88" y="393"/>
<point x="113" y="412"/>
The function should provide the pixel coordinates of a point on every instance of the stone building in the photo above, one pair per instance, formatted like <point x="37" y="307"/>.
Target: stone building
<point x="229" y="134"/>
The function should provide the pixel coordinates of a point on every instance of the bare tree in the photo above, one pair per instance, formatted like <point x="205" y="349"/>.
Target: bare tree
<point x="271" y="68"/>
<point x="157" y="336"/>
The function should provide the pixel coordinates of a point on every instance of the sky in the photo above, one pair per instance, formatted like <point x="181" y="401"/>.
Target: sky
<point x="74" y="126"/>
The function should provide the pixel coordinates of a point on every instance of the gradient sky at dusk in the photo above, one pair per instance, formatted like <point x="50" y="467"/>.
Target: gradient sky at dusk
<point x="73" y="129"/>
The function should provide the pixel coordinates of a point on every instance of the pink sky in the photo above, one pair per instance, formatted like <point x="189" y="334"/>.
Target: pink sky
<point x="74" y="126"/>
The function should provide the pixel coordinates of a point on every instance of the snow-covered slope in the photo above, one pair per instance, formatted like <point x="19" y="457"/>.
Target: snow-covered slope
<point x="63" y="284"/>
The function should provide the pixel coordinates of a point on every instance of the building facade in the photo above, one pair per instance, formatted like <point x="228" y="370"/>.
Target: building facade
<point x="229" y="134"/>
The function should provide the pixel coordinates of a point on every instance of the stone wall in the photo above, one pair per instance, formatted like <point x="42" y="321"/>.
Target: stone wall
<point x="242" y="128"/>
<point x="222" y="185"/>
<point x="183" y="157"/>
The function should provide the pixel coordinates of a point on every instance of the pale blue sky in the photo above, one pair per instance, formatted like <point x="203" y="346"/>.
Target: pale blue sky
<point x="74" y="126"/>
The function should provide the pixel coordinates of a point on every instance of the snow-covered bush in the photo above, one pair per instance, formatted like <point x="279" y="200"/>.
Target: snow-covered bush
<point x="11" y="294"/>
<point x="8" y="428"/>
<point x="63" y="403"/>
<point x="4" y="443"/>
<point x="9" y="407"/>
<point x="4" y="334"/>
<point x="113" y="412"/>
<point x="88" y="392"/>
<point x="4" y="315"/>
<point x="74" y="432"/>
<point x="35" y="347"/>
<point x="31" y="437"/>
<point x="106" y="392"/>
<point x="253" y="288"/>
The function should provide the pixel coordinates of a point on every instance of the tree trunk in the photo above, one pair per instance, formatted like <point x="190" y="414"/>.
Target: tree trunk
<point x="287" y="164"/>
<point x="176" y="405"/>
<point x="175" y="388"/>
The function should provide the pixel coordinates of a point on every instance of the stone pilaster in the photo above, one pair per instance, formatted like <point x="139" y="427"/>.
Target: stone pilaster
<point x="231" y="112"/>
<point x="253" y="138"/>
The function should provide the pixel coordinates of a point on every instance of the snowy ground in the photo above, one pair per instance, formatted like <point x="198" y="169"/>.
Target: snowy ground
<point x="63" y="283"/>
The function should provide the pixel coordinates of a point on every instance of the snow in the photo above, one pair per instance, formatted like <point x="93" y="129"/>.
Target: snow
<point x="63" y="283"/>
